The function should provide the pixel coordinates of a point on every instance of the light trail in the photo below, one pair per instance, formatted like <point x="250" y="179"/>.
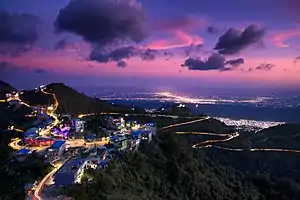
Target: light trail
<point x="38" y="190"/>
<point x="210" y="143"/>
<point x="183" y="123"/>
<point x="133" y="114"/>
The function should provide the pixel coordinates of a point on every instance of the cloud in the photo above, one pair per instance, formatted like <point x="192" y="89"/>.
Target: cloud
<point x="148" y="55"/>
<point x="61" y="44"/>
<point x="234" y="41"/>
<point x="11" y="71"/>
<point x="279" y="38"/>
<point x="235" y="62"/>
<point x="296" y="60"/>
<point x="177" y="39"/>
<point x="107" y="24"/>
<point x="212" y="30"/>
<point x="168" y="55"/>
<point x="214" y="62"/>
<point x="17" y="32"/>
<point x="116" y="55"/>
<point x="40" y="71"/>
<point x="265" y="66"/>
<point x="186" y="22"/>
<point x="121" y="64"/>
<point x="192" y="49"/>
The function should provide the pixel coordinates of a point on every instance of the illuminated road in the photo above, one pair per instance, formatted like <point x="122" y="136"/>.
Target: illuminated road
<point x="228" y="137"/>
<point x="15" y="143"/>
<point x="183" y="123"/>
<point x="132" y="114"/>
<point x="38" y="190"/>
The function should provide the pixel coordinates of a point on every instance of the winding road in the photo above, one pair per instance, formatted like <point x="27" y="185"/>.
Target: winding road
<point x="228" y="137"/>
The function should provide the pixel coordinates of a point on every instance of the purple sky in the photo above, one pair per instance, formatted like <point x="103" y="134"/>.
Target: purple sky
<point x="151" y="43"/>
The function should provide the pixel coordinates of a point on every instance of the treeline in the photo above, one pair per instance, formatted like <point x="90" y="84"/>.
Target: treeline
<point x="170" y="169"/>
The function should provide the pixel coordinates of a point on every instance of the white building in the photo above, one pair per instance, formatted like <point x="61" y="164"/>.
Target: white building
<point x="79" y="125"/>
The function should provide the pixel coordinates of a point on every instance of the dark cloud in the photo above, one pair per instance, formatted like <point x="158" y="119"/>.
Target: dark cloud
<point x="168" y="55"/>
<point x="296" y="60"/>
<point x="106" y="24"/>
<point x="11" y="71"/>
<point x="214" y="62"/>
<point x="212" y="30"/>
<point x="61" y="44"/>
<point x="121" y="64"/>
<point x="115" y="55"/>
<point x="148" y="55"/>
<point x="235" y="62"/>
<point x="40" y="71"/>
<point x="18" y="32"/>
<point x="265" y="66"/>
<point x="234" y="41"/>
<point x="192" y="49"/>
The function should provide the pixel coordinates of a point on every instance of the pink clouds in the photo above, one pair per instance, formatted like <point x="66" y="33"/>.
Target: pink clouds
<point x="179" y="39"/>
<point x="280" y="38"/>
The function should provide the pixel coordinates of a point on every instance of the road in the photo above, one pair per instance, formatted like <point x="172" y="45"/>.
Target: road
<point x="15" y="143"/>
<point x="183" y="123"/>
<point x="133" y="114"/>
<point x="228" y="137"/>
<point x="38" y="190"/>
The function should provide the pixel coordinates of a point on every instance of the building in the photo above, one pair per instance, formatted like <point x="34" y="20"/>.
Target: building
<point x="31" y="132"/>
<point x="151" y="127"/>
<point x="146" y="136"/>
<point x="38" y="141"/>
<point x="79" y="125"/>
<point x="119" y="142"/>
<point x="70" y="173"/>
<point x="57" y="148"/>
<point x="22" y="154"/>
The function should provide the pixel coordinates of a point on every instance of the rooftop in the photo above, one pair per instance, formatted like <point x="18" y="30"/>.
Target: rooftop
<point x="57" y="144"/>
<point x="23" y="151"/>
<point x="67" y="168"/>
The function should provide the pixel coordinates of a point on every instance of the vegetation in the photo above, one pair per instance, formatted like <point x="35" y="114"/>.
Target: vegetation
<point x="5" y="88"/>
<point x="72" y="101"/>
<point x="170" y="169"/>
<point x="285" y="136"/>
<point x="210" y="126"/>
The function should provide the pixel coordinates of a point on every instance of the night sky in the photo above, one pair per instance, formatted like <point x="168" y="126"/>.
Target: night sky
<point x="151" y="43"/>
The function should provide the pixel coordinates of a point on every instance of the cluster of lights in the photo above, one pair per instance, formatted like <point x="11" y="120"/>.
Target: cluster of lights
<point x="251" y="124"/>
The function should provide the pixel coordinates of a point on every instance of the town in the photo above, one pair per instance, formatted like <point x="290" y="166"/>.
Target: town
<point x="72" y="144"/>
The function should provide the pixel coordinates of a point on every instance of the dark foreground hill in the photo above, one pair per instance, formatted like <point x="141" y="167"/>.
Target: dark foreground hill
<point x="5" y="88"/>
<point x="170" y="169"/>
<point x="72" y="101"/>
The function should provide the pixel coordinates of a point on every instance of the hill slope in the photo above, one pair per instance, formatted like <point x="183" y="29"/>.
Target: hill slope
<point x="71" y="101"/>
<point x="5" y="88"/>
<point x="170" y="169"/>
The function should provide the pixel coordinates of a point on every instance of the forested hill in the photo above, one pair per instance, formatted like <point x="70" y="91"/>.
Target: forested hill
<point x="170" y="169"/>
<point x="71" y="101"/>
<point x="5" y="88"/>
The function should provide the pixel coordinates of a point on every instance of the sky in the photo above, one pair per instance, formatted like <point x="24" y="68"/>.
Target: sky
<point x="151" y="43"/>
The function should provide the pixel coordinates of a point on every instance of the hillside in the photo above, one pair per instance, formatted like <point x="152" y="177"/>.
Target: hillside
<point x="5" y="88"/>
<point x="210" y="126"/>
<point x="170" y="169"/>
<point x="175" y="109"/>
<point x="72" y="101"/>
<point x="285" y="136"/>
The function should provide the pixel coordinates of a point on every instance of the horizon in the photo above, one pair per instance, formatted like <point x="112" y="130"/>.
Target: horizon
<point x="209" y="44"/>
